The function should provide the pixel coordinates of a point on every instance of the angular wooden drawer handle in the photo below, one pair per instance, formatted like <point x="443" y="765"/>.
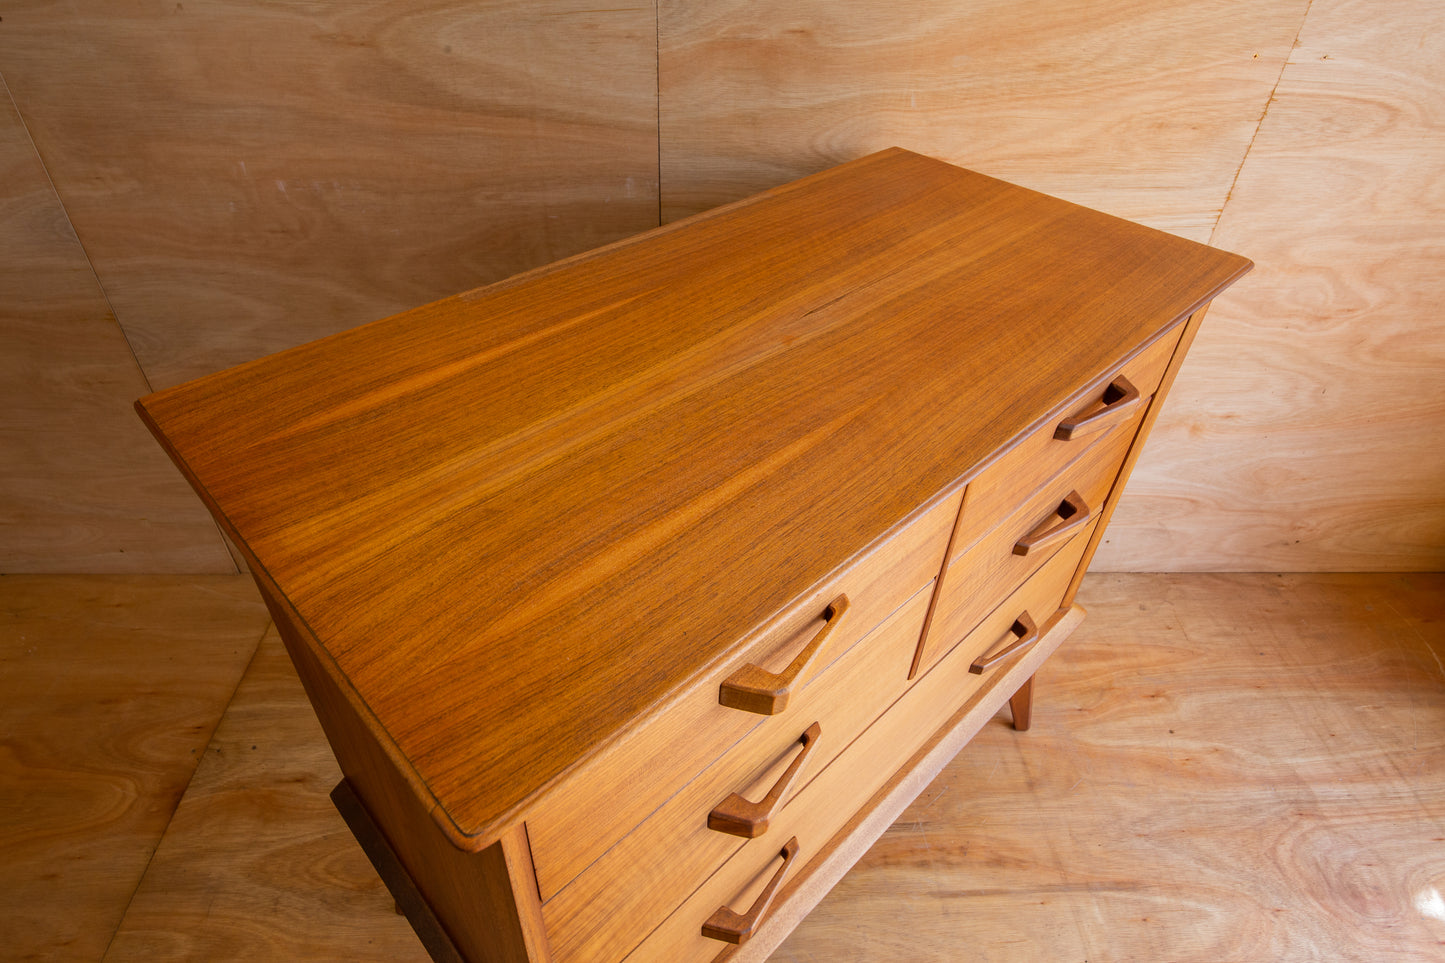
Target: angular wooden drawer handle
<point x="755" y="689"/>
<point x="1028" y="634"/>
<point x="1120" y="398"/>
<point x="738" y="817"/>
<point x="1072" y="515"/>
<point x="738" y="928"/>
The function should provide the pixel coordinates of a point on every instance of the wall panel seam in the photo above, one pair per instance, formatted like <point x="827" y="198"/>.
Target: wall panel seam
<point x="1259" y="124"/>
<point x="176" y="803"/>
<point x="90" y="264"/>
<point x="25" y="126"/>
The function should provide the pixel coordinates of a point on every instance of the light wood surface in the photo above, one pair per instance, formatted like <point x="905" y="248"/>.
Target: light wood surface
<point x="1307" y="429"/>
<point x="257" y="864"/>
<point x="472" y="894"/>
<point x="863" y="781"/>
<point x="1285" y="804"/>
<point x="883" y="809"/>
<point x="978" y="577"/>
<point x="110" y="687"/>
<point x="247" y="177"/>
<point x="1043" y="454"/>
<point x="1167" y="114"/>
<point x="1144" y="110"/>
<point x="80" y="488"/>
<point x="412" y="172"/>
<point x="410" y="902"/>
<point x="393" y="482"/>
<point x="1292" y="814"/>
<point x="503" y="533"/>
<point x="571" y="829"/>
<point x="621" y="897"/>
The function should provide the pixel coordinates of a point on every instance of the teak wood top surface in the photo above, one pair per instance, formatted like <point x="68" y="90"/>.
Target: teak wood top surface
<point x="521" y="518"/>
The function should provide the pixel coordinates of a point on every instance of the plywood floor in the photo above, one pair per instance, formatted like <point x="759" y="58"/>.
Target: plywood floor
<point x="1222" y="767"/>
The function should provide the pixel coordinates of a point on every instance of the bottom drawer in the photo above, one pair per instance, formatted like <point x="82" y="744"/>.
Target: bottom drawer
<point x="830" y="800"/>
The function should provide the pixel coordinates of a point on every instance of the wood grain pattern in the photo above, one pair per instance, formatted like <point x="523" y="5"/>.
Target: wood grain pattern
<point x="995" y="492"/>
<point x="81" y="487"/>
<point x="863" y="830"/>
<point x="246" y="177"/>
<point x="1305" y="432"/>
<point x="1291" y="814"/>
<point x="256" y="863"/>
<point x="474" y="894"/>
<point x="605" y="912"/>
<point x="729" y="926"/>
<point x="739" y="816"/>
<point x="393" y="481"/>
<point x="1140" y="109"/>
<point x="411" y="172"/>
<point x="1021" y="706"/>
<point x="838" y="815"/>
<point x="1285" y="803"/>
<point x="974" y="580"/>
<point x="110" y="687"/>
<point x="573" y="826"/>
<point x="388" y="865"/>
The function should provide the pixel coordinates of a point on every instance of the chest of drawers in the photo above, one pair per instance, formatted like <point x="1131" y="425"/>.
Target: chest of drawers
<point x="638" y="594"/>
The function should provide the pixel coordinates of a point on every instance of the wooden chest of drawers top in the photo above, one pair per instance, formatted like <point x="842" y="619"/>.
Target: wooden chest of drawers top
<point x="516" y="521"/>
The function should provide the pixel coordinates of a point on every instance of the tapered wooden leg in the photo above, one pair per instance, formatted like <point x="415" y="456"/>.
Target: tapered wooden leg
<point x="1021" y="703"/>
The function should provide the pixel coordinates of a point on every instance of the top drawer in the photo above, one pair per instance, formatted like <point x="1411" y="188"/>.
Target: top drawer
<point x="586" y="814"/>
<point x="995" y="492"/>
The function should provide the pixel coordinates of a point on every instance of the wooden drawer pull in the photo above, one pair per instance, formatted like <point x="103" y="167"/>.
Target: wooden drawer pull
<point x="1028" y="634"/>
<point x="738" y="817"/>
<point x="1118" y="401"/>
<point x="755" y="689"/>
<point x="1072" y="515"/>
<point x="738" y="928"/>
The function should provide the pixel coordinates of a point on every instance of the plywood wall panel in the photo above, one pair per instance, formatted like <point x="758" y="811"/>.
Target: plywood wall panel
<point x="1307" y="430"/>
<point x="249" y="176"/>
<point x="83" y="488"/>
<point x="1143" y="109"/>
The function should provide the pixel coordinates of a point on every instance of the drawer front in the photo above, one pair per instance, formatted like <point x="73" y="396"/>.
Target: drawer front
<point x="973" y="582"/>
<point x="604" y="799"/>
<point x="831" y="800"/>
<point x="617" y="900"/>
<point x="995" y="492"/>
